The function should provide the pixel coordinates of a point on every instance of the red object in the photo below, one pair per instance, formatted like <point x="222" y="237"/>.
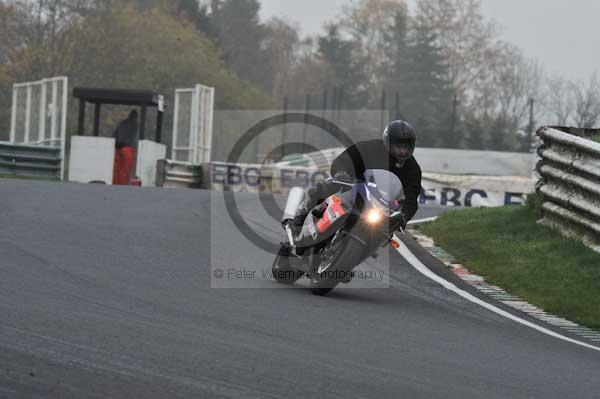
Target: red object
<point x="124" y="157"/>
<point x="136" y="181"/>
<point x="334" y="211"/>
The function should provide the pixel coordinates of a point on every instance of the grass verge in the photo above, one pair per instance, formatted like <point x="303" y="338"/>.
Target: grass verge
<point x="536" y="263"/>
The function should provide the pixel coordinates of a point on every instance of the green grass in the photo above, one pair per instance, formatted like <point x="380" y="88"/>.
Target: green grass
<point x="508" y="248"/>
<point x="596" y="138"/>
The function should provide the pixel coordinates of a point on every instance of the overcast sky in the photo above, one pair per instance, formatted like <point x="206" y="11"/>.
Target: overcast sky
<point x="563" y="34"/>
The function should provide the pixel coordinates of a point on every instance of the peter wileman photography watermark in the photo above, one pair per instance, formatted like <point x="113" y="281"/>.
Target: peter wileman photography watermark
<point x="264" y="155"/>
<point x="259" y="272"/>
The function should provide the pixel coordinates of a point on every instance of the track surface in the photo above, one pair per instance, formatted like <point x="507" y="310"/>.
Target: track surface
<point x="105" y="292"/>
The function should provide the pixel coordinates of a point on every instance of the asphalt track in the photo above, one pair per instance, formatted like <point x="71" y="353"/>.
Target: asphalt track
<point x="106" y="292"/>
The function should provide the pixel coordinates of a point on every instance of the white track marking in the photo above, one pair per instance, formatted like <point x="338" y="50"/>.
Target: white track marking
<point x="421" y="268"/>
<point x="420" y="221"/>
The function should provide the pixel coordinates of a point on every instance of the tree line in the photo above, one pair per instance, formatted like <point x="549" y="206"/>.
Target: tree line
<point x="113" y="44"/>
<point x="441" y="65"/>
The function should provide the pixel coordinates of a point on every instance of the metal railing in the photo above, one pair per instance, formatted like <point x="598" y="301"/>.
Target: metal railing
<point x="39" y="114"/>
<point x="570" y="184"/>
<point x="193" y="124"/>
<point x="31" y="161"/>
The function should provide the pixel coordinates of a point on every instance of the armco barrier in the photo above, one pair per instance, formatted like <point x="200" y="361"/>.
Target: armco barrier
<point x="30" y="161"/>
<point x="172" y="174"/>
<point x="570" y="184"/>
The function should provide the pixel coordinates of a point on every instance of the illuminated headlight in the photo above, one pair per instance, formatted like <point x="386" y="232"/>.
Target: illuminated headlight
<point x="374" y="216"/>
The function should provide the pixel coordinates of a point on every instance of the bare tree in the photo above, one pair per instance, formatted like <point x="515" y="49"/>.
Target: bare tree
<point x="282" y="47"/>
<point x="368" y="22"/>
<point x="469" y="41"/>
<point x="559" y="100"/>
<point x="501" y="100"/>
<point x="586" y="97"/>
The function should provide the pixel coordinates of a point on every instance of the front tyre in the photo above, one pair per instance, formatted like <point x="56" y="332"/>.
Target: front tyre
<point x="348" y="257"/>
<point x="321" y="285"/>
<point x="324" y="276"/>
<point x="281" y="270"/>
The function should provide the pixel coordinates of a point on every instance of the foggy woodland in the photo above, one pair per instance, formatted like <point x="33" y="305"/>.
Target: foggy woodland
<point x="442" y="65"/>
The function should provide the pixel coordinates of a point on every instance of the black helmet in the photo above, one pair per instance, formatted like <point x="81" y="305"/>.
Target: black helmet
<point x="400" y="138"/>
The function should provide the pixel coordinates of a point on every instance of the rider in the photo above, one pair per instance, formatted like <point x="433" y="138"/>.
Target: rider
<point x="393" y="152"/>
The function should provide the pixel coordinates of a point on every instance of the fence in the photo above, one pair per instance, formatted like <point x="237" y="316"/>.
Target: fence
<point x="30" y="161"/>
<point x="39" y="114"/>
<point x="570" y="184"/>
<point x="193" y="124"/>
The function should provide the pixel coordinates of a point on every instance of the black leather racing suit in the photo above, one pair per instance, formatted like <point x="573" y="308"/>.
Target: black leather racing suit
<point x="372" y="154"/>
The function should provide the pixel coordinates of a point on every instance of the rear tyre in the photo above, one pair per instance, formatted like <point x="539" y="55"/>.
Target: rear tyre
<point x="282" y="272"/>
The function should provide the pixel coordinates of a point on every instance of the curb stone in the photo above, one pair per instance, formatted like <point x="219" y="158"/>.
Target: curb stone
<point x="498" y="293"/>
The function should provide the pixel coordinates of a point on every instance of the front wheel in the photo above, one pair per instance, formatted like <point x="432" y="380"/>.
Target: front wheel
<point x="281" y="270"/>
<point x="345" y="260"/>
<point x="321" y="284"/>
<point x="323" y="279"/>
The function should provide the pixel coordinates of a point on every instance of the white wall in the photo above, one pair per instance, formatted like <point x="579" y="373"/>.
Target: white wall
<point x="449" y="161"/>
<point x="468" y="162"/>
<point x="92" y="159"/>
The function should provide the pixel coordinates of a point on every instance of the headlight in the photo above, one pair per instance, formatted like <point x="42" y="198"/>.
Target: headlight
<point x="374" y="216"/>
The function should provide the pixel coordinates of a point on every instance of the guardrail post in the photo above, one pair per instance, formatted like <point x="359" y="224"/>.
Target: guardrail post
<point x="42" y="124"/>
<point x="13" y="115"/>
<point x="27" y="114"/>
<point x="63" y="127"/>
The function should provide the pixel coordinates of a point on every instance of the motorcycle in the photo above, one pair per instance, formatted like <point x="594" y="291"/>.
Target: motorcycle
<point x="340" y="233"/>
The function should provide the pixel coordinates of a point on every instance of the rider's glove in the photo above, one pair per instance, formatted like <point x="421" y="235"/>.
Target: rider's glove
<point x="317" y="191"/>
<point x="399" y="222"/>
<point x="343" y="177"/>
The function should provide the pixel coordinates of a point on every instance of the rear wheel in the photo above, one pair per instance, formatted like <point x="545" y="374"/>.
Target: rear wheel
<point x="282" y="272"/>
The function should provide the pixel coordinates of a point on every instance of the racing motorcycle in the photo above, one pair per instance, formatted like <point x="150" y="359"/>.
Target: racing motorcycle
<point x="341" y="232"/>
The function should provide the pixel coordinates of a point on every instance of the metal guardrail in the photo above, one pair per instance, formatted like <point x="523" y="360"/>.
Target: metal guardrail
<point x="31" y="161"/>
<point x="172" y="174"/>
<point x="570" y="183"/>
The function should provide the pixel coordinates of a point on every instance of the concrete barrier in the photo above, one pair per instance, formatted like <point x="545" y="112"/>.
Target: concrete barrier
<point x="148" y="154"/>
<point x="441" y="160"/>
<point x="91" y="159"/>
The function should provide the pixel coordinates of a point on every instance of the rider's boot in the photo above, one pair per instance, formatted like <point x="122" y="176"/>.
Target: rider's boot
<point x="298" y="221"/>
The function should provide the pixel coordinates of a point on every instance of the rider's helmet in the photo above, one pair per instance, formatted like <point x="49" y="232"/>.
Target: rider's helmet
<point x="400" y="138"/>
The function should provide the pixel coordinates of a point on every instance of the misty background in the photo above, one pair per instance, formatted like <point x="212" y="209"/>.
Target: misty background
<point x="472" y="74"/>
<point x="561" y="34"/>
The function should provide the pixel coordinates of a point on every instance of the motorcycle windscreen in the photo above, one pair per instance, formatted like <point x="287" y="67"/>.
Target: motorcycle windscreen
<point x="385" y="186"/>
